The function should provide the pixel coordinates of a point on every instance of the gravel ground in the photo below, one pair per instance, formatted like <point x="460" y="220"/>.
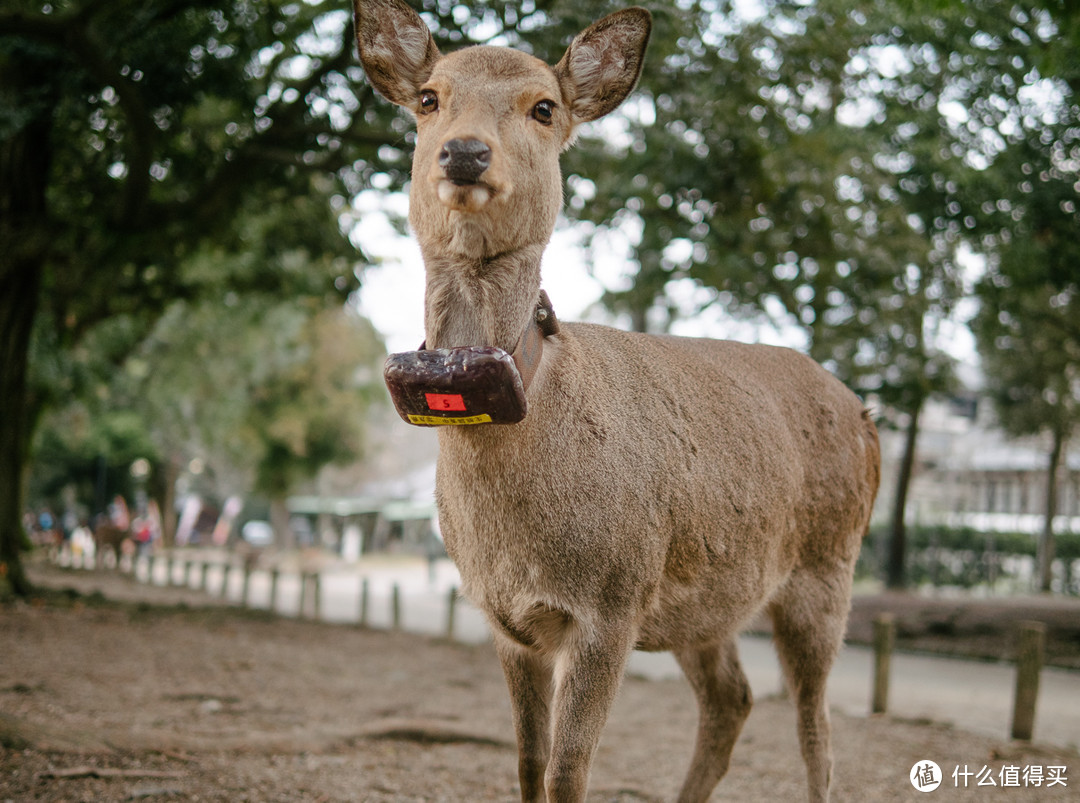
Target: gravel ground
<point x="105" y="697"/>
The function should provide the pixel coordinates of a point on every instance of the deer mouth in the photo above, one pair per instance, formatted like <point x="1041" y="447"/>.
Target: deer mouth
<point x="464" y="196"/>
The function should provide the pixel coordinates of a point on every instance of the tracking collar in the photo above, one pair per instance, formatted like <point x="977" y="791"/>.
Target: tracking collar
<point x="470" y="384"/>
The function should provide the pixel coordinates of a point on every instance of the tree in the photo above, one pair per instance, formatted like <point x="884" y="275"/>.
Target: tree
<point x="121" y="157"/>
<point x="265" y="391"/>
<point x="1027" y="326"/>
<point x="1033" y="378"/>
<point x="1010" y="79"/>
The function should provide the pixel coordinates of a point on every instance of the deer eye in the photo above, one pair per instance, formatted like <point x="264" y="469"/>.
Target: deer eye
<point x="543" y="111"/>
<point x="429" y="102"/>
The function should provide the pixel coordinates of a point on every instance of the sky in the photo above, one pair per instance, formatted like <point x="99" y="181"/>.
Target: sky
<point x="392" y="291"/>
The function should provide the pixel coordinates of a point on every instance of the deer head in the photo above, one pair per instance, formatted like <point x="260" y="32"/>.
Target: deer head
<point x="491" y="123"/>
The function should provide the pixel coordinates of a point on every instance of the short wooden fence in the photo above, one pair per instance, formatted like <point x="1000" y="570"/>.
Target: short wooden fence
<point x="234" y="584"/>
<point x="1029" y="663"/>
<point x="195" y="573"/>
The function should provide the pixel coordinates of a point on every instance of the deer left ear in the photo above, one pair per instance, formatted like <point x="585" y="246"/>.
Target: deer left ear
<point x="603" y="63"/>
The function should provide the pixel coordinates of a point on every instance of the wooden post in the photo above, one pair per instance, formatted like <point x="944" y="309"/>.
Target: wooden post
<point x="204" y="570"/>
<point x="1029" y="661"/>
<point x="226" y="570"/>
<point x="884" y="637"/>
<point x="275" y="577"/>
<point x="934" y="554"/>
<point x="395" y="607"/>
<point x="364" y="593"/>
<point x="187" y="574"/>
<point x="303" y="593"/>
<point x="451" y="605"/>
<point x="247" y="584"/>
<point x="991" y="562"/>
<point x="316" y="578"/>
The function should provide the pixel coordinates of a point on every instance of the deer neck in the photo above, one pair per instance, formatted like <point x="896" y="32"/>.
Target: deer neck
<point x="485" y="301"/>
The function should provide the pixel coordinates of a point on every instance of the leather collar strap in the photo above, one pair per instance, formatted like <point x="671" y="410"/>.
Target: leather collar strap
<point x="530" y="348"/>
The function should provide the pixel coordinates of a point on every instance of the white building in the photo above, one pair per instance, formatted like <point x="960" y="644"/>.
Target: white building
<point x="969" y="473"/>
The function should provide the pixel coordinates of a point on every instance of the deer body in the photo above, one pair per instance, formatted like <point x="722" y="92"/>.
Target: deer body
<point x="568" y="508"/>
<point x="660" y="490"/>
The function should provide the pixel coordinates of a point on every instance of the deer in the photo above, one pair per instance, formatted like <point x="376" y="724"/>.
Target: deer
<point x="651" y="492"/>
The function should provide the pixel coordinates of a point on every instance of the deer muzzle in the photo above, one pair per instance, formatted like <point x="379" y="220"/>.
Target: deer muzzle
<point x="463" y="162"/>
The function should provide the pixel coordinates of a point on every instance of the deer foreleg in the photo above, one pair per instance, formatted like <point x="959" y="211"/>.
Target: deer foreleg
<point x="587" y="677"/>
<point x="528" y="677"/>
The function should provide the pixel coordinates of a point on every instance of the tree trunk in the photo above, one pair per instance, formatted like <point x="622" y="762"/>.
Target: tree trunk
<point x="18" y="293"/>
<point x="24" y="170"/>
<point x="284" y="537"/>
<point x="1046" y="539"/>
<point x="894" y="567"/>
<point x="166" y="494"/>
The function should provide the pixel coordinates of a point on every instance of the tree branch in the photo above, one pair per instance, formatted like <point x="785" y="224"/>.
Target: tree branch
<point x="74" y="33"/>
<point x="139" y="145"/>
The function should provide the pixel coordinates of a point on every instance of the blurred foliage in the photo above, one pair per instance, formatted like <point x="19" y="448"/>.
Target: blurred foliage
<point x="262" y="392"/>
<point x="88" y="453"/>
<point x="156" y="152"/>
<point x="753" y="175"/>
<point x="265" y="392"/>
<point x="1029" y="324"/>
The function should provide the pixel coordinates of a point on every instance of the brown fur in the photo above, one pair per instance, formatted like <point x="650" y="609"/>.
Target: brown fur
<point x="661" y="490"/>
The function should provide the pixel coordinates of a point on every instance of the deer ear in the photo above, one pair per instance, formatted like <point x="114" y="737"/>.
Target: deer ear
<point x="396" y="48"/>
<point x="603" y="63"/>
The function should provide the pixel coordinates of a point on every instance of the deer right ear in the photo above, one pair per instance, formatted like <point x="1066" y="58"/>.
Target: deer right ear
<point x="396" y="49"/>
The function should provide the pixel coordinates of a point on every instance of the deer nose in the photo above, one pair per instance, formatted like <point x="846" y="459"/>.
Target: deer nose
<point x="464" y="160"/>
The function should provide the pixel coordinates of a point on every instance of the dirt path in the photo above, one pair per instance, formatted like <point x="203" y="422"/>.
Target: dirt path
<point x="124" y="701"/>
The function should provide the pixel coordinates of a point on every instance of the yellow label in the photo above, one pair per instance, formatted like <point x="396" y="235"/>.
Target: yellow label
<point x="437" y="421"/>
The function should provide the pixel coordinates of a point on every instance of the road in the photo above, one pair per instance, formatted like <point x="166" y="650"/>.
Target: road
<point x="971" y="695"/>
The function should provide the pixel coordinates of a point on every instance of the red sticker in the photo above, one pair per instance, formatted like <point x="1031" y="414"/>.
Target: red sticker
<point x="445" y="401"/>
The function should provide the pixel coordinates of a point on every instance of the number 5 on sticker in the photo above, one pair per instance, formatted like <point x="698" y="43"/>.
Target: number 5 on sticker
<point x="445" y="401"/>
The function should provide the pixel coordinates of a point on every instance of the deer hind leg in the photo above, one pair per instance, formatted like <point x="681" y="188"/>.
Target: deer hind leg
<point x="724" y="701"/>
<point x="809" y="615"/>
